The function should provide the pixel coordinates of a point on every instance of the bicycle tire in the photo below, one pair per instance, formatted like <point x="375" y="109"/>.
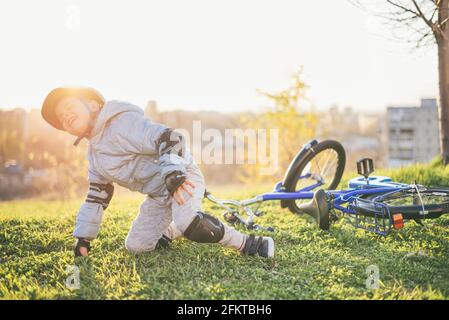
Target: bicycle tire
<point x="300" y="162"/>
<point x="409" y="212"/>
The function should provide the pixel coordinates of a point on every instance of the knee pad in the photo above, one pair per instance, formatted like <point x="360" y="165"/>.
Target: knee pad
<point x="205" y="229"/>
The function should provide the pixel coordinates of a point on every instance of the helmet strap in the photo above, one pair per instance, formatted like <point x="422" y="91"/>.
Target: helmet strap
<point x="92" y="118"/>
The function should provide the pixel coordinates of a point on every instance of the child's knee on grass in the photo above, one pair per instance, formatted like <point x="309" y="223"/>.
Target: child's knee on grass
<point x="135" y="246"/>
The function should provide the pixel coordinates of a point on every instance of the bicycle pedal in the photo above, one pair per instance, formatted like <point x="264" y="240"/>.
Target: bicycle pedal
<point x="230" y="217"/>
<point x="259" y="227"/>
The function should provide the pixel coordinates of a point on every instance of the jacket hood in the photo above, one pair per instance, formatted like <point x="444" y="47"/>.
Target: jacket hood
<point x="110" y="110"/>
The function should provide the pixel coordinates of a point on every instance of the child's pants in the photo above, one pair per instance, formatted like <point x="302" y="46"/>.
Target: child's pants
<point x="163" y="216"/>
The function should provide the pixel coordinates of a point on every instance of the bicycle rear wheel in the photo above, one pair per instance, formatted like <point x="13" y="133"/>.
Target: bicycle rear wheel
<point x="427" y="204"/>
<point x="324" y="162"/>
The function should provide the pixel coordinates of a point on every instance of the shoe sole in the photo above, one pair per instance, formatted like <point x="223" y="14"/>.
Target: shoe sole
<point x="270" y="253"/>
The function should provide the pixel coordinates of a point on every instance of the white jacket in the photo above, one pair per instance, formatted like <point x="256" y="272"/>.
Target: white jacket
<point x="122" y="149"/>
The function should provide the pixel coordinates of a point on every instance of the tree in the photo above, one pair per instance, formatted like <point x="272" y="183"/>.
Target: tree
<point x="427" y="23"/>
<point x="296" y="124"/>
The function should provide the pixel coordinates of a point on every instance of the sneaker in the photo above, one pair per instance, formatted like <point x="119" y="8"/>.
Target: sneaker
<point x="262" y="246"/>
<point x="163" y="242"/>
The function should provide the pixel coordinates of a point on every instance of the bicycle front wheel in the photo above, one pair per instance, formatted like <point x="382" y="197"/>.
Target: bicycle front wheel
<point x="323" y="164"/>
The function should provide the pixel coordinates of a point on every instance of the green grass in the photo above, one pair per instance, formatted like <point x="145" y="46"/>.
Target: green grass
<point x="36" y="243"/>
<point x="432" y="174"/>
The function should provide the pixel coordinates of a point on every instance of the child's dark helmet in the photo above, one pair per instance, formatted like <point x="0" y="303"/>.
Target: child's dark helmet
<point x="56" y="95"/>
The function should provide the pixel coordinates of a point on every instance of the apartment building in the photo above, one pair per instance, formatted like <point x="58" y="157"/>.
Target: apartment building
<point x="413" y="133"/>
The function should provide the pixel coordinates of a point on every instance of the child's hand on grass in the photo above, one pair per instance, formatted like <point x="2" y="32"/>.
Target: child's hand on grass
<point x="83" y="252"/>
<point x="82" y="248"/>
<point x="178" y="196"/>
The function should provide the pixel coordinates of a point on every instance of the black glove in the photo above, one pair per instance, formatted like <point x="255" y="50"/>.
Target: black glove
<point x="81" y="243"/>
<point x="173" y="180"/>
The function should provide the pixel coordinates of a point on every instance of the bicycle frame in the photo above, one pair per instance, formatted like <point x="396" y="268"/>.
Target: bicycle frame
<point x="357" y="187"/>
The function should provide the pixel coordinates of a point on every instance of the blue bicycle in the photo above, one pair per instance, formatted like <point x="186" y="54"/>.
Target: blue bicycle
<point x="374" y="203"/>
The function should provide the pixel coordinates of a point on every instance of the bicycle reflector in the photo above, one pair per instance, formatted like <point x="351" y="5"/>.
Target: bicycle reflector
<point x="398" y="221"/>
<point x="365" y="167"/>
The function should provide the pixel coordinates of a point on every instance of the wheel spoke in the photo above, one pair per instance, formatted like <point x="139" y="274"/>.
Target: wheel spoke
<point x="410" y="199"/>
<point x="328" y="165"/>
<point x="324" y="164"/>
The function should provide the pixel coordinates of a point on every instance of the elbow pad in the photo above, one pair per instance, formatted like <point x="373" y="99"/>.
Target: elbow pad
<point x="100" y="193"/>
<point x="171" y="142"/>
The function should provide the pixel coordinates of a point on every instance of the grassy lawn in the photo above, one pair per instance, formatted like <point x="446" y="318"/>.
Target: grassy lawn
<point x="36" y="248"/>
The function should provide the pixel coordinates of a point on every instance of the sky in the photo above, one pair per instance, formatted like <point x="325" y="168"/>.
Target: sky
<point x="208" y="54"/>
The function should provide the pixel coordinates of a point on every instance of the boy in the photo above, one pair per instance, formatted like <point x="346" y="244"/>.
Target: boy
<point x="128" y="149"/>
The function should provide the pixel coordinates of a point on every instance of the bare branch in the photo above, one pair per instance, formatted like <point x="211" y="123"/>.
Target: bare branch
<point x="421" y="40"/>
<point x="434" y="11"/>
<point x="443" y="22"/>
<point x="356" y="3"/>
<point x="421" y="14"/>
<point x="397" y="5"/>
<point x="410" y="21"/>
